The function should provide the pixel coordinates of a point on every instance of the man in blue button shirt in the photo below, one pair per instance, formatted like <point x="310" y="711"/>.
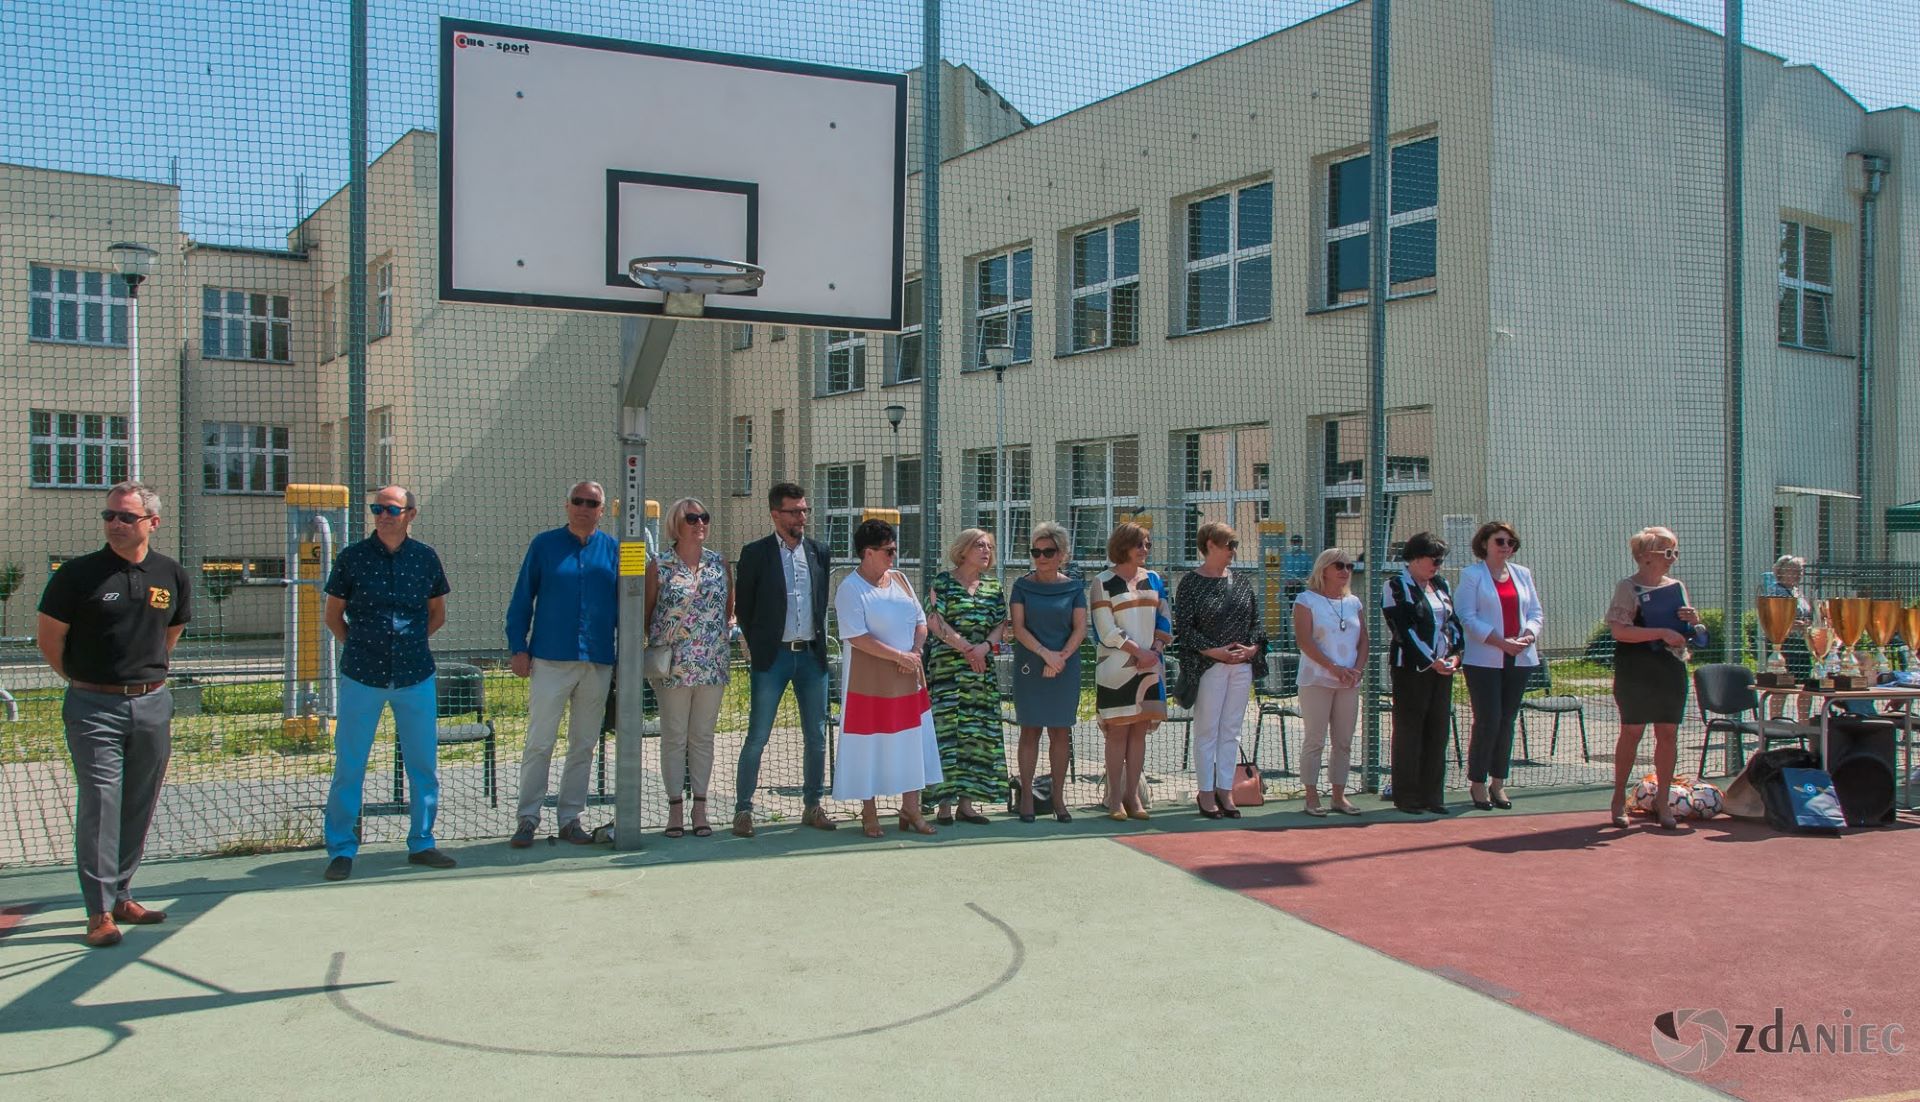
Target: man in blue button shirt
<point x="560" y="631"/>
<point x="386" y="595"/>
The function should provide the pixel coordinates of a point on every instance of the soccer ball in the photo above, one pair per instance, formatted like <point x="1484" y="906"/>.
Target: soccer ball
<point x="1679" y="797"/>
<point x="1707" y="801"/>
<point x="1680" y="802"/>
<point x="1643" y="795"/>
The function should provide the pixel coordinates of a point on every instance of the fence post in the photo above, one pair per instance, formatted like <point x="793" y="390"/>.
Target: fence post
<point x="1377" y="284"/>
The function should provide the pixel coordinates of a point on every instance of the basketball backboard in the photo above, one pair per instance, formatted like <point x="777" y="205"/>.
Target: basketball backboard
<point x="564" y="157"/>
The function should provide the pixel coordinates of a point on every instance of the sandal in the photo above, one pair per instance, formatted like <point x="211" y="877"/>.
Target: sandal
<point x="702" y="830"/>
<point x="870" y="823"/>
<point x="674" y="831"/>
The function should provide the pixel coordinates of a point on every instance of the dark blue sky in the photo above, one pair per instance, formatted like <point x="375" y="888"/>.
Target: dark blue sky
<point x="251" y="95"/>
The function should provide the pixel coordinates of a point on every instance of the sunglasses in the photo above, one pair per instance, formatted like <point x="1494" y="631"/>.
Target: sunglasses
<point x="586" y="502"/>
<point x="1231" y="545"/>
<point x="1347" y="566"/>
<point x="125" y="517"/>
<point x="1502" y="541"/>
<point x="386" y="510"/>
<point x="697" y="518"/>
<point x="1043" y="552"/>
<point x="889" y="552"/>
<point x="1669" y="553"/>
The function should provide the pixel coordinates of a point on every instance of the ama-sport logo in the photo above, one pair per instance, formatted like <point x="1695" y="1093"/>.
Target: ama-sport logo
<point x="1690" y="1040"/>
<point x="464" y="41"/>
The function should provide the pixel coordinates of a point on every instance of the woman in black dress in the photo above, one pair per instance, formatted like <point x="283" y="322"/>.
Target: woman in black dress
<point x="1649" y="664"/>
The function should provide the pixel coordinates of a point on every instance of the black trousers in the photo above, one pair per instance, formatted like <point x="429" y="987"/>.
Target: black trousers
<point x="1495" y="692"/>
<point x="1422" y="705"/>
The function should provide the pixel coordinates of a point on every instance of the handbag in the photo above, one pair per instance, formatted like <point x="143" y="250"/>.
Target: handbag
<point x="1249" y="787"/>
<point x="657" y="661"/>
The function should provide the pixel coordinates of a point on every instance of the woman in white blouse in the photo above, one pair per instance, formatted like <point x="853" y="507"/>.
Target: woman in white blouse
<point x="1331" y="625"/>
<point x="1500" y="615"/>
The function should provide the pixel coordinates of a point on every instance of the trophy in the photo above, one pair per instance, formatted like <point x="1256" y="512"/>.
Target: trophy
<point x="1776" y="620"/>
<point x="1849" y="617"/>
<point x="1883" y="619"/>
<point x="1910" y="631"/>
<point x="1820" y="641"/>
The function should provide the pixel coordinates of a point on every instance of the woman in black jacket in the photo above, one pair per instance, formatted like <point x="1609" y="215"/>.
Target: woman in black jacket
<point x="1426" y="648"/>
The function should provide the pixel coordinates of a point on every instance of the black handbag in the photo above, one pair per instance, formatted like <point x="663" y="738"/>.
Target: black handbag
<point x="1042" y="796"/>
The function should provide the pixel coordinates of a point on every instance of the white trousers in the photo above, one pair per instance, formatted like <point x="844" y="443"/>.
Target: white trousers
<point x="1219" y="713"/>
<point x="1328" y="713"/>
<point x="580" y="687"/>
<point x="688" y="714"/>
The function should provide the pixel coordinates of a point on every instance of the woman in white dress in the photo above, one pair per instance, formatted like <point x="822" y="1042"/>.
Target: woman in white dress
<point x="887" y="746"/>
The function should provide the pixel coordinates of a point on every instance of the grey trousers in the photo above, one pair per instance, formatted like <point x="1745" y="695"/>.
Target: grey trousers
<point x="120" y="746"/>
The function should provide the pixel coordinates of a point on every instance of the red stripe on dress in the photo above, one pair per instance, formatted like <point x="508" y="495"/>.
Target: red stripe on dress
<point x="884" y="715"/>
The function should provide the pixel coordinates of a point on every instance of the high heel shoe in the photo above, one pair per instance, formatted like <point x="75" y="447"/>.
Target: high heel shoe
<point x="1228" y="811"/>
<point x="1118" y="815"/>
<point x="1207" y="812"/>
<point x="1619" y="813"/>
<point x="870" y="823"/>
<point x="914" y="825"/>
<point x="1500" y="801"/>
<point x="1063" y="816"/>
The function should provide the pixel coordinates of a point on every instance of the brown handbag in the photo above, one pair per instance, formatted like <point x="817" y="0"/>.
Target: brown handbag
<point x="1249" y="788"/>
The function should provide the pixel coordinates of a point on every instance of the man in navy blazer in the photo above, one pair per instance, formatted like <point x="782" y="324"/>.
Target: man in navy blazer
<point x="780" y="599"/>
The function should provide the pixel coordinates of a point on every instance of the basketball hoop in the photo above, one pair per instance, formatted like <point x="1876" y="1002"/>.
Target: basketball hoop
<point x="688" y="280"/>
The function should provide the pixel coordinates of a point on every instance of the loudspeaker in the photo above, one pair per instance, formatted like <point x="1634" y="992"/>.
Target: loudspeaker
<point x="1860" y="760"/>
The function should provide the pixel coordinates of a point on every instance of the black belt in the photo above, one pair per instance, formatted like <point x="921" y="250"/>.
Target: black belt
<point x="138" y="688"/>
<point x="796" y="644"/>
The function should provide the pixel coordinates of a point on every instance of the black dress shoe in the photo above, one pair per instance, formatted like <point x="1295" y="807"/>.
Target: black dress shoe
<point x="339" y="868"/>
<point x="975" y="818"/>
<point x="1026" y="816"/>
<point x="1230" y="812"/>
<point x="1483" y="805"/>
<point x="1439" y="809"/>
<point x="1503" y="804"/>
<point x="431" y="858"/>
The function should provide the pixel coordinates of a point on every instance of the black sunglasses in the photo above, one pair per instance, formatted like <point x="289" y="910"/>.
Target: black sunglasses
<point x="1231" y="545"/>
<point x="1043" y="552"/>
<point x="125" y="517"/>
<point x="1502" y="541"/>
<point x="586" y="502"/>
<point x="697" y="518"/>
<point x="889" y="552"/>
<point x="1340" y="566"/>
<point x="379" y="510"/>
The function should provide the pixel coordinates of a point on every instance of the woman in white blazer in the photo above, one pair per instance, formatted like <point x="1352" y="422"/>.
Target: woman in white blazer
<point x="1499" y="611"/>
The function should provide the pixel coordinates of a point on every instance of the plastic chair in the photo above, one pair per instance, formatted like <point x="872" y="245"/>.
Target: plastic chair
<point x="459" y="690"/>
<point x="1278" y="695"/>
<point x="1723" y="693"/>
<point x="1540" y="679"/>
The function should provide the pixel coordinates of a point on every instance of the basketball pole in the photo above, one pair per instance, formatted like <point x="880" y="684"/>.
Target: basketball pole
<point x="643" y="351"/>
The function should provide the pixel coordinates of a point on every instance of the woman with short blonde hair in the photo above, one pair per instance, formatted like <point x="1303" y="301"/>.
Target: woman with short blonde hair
<point x="966" y="619"/>
<point x="689" y="593"/>
<point x="1331" y="626"/>
<point x="1650" y="663"/>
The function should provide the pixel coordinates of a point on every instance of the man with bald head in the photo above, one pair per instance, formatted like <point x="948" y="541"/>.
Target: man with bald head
<point x="386" y="595"/>
<point x="560" y="632"/>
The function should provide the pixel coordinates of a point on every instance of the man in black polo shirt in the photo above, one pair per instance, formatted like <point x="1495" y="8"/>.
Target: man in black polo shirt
<point x="386" y="595"/>
<point x="108" y="623"/>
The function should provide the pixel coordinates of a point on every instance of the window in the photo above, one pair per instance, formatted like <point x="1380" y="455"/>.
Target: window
<point x="843" y="365"/>
<point x="1229" y="258"/>
<point x="245" y="325"/>
<point x="779" y="444"/>
<point x="244" y="459"/>
<point x="843" y="498"/>
<point x="1003" y="305"/>
<point x="984" y="486"/>
<point x="67" y="306"/>
<point x="1222" y="475"/>
<point x="343" y="337"/>
<point x="381" y="319"/>
<point x="906" y="498"/>
<point x="1413" y="201"/>
<point x="79" y="450"/>
<point x="742" y="456"/>
<point x="1806" y="286"/>
<point x="742" y="337"/>
<point x="1102" y="482"/>
<point x="383" y="446"/>
<point x="1105" y="287"/>
<point x="1409" y="479"/>
<point x="906" y="366"/>
<point x="329" y="321"/>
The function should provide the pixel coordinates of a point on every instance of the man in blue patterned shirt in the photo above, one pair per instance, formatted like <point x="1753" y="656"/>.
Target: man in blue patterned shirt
<point x="386" y="595"/>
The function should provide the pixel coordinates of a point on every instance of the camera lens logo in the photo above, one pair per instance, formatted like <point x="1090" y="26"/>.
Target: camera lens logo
<point x="1690" y="1040"/>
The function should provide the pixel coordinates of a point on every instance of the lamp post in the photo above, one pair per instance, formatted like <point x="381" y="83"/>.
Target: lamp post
<point x="1000" y="357"/>
<point x="133" y="262"/>
<point x="895" y="414"/>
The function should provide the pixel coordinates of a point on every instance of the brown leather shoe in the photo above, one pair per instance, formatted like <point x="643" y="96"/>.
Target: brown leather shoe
<point x="816" y="817"/>
<point x="133" y="914"/>
<point x="743" y="824"/>
<point x="101" y="932"/>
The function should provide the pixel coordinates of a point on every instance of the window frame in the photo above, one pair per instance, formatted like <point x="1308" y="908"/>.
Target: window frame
<point x="1327" y="298"/>
<point x="257" y="443"/>
<point x="222" y="321"/>
<point x="852" y="343"/>
<point x="381" y="323"/>
<point x="383" y="440"/>
<point x="1231" y="497"/>
<point x="912" y="334"/>
<point x="1111" y="504"/>
<point x="1110" y="286"/>
<point x="909" y="465"/>
<point x="839" y="544"/>
<point x="111" y="302"/>
<point x="51" y="442"/>
<point x="742" y="452"/>
<point x="1233" y="259"/>
<point x="986" y="507"/>
<point x="1800" y="287"/>
<point x="1013" y="309"/>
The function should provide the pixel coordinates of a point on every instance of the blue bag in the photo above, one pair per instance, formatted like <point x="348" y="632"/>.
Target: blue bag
<point x="1810" y="793"/>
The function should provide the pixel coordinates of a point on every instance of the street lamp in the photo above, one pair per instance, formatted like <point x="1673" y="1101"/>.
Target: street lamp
<point x="895" y="414"/>
<point x="133" y="262"/>
<point x="1000" y="357"/>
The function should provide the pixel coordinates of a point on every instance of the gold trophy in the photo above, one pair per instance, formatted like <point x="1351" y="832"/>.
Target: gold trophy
<point x="1849" y="617"/>
<point x="1820" y="641"/>
<point x="1910" y="631"/>
<point x="1776" y="620"/>
<point x="1883" y="619"/>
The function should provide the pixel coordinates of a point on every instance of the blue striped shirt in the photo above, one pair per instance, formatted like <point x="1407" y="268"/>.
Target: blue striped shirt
<point x="567" y="599"/>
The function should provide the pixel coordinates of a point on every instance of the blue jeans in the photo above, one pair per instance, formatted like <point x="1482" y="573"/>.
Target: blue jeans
<point x="809" y="681"/>
<point x="414" y="719"/>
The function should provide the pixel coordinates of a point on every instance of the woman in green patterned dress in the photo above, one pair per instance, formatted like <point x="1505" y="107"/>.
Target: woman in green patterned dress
<point x="966" y="617"/>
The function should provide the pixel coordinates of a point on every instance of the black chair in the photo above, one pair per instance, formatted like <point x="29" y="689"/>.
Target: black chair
<point x="1724" y="693"/>
<point x="459" y="690"/>
<point x="1540" y="679"/>
<point x="1278" y="695"/>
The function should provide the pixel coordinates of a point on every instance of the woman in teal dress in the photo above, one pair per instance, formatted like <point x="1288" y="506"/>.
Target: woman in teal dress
<point x="966" y="618"/>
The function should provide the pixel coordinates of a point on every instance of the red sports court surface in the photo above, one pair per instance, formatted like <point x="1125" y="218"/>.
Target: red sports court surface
<point x="1602" y="930"/>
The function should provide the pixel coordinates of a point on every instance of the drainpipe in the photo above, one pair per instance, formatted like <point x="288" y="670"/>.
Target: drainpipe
<point x="1867" y="177"/>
